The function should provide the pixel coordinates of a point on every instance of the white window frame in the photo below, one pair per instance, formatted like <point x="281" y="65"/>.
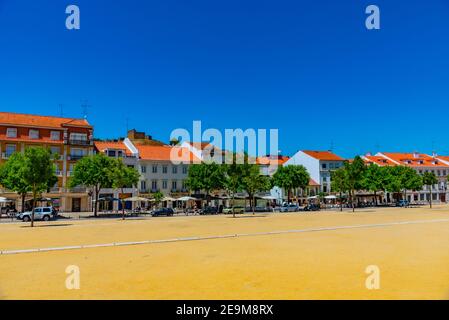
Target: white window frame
<point x="53" y="135"/>
<point x="33" y="134"/>
<point x="11" y="133"/>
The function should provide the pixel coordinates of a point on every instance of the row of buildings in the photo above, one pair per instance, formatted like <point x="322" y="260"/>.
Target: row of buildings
<point x="73" y="139"/>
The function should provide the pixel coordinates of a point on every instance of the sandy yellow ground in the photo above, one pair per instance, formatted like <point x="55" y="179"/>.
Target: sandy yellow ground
<point x="413" y="258"/>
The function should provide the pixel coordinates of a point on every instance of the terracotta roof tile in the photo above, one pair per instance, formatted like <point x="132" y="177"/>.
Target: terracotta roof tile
<point x="323" y="155"/>
<point x="166" y="153"/>
<point x="18" y="119"/>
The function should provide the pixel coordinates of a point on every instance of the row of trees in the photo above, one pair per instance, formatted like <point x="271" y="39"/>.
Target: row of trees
<point x="244" y="177"/>
<point x="34" y="171"/>
<point x="356" y="175"/>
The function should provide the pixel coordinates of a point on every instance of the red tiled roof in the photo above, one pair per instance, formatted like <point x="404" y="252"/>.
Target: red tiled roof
<point x="414" y="159"/>
<point x="323" y="155"/>
<point x="280" y="160"/>
<point x="102" y="146"/>
<point x="166" y="153"/>
<point x="313" y="183"/>
<point x="18" y="119"/>
<point x="379" y="160"/>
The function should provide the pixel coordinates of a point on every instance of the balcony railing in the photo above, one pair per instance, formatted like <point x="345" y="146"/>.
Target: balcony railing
<point x="80" y="142"/>
<point x="75" y="157"/>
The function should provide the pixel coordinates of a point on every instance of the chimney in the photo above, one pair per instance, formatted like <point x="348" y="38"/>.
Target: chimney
<point x="416" y="155"/>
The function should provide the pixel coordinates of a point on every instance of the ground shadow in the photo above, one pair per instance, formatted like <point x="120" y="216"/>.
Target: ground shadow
<point x="49" y="225"/>
<point x="246" y="217"/>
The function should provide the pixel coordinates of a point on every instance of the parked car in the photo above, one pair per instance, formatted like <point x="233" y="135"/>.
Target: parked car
<point x="209" y="210"/>
<point x="289" y="207"/>
<point x="232" y="210"/>
<point x="402" y="203"/>
<point x="163" y="212"/>
<point x="40" y="213"/>
<point x="312" y="207"/>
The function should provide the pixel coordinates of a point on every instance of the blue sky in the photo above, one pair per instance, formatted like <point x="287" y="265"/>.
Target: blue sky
<point x="309" y="68"/>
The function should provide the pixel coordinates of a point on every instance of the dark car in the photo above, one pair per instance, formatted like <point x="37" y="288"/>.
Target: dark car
<point x="312" y="207"/>
<point x="209" y="210"/>
<point x="163" y="212"/>
<point x="402" y="203"/>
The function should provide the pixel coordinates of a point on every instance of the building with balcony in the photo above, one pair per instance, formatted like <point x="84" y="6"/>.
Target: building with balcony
<point x="439" y="165"/>
<point x="123" y="150"/>
<point x="69" y="138"/>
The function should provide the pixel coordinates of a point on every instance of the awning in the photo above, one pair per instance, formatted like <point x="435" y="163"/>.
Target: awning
<point x="137" y="199"/>
<point x="185" y="199"/>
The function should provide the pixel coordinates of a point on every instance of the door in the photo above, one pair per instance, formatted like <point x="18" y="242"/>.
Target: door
<point x="38" y="213"/>
<point x="76" y="204"/>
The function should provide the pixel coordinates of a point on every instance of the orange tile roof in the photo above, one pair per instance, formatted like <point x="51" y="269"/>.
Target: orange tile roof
<point x="102" y="146"/>
<point x="201" y="145"/>
<point x="18" y="119"/>
<point x="323" y="155"/>
<point x="164" y="153"/>
<point x="379" y="160"/>
<point x="313" y="183"/>
<point x="414" y="159"/>
<point x="270" y="160"/>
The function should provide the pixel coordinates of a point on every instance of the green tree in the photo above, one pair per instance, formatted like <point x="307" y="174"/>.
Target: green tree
<point x="93" y="172"/>
<point x="429" y="179"/>
<point x="206" y="177"/>
<point x="354" y="172"/>
<point x="401" y="179"/>
<point x="339" y="183"/>
<point x="122" y="177"/>
<point x="233" y="180"/>
<point x="374" y="179"/>
<point x="254" y="182"/>
<point x="12" y="176"/>
<point x="157" y="197"/>
<point x="38" y="172"/>
<point x="291" y="177"/>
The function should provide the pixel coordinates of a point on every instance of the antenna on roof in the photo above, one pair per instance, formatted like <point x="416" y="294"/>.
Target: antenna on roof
<point x="85" y="106"/>
<point x="332" y="146"/>
<point x="61" y="109"/>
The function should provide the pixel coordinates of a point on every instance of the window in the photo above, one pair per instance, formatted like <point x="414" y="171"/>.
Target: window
<point x="184" y="169"/>
<point x="78" y="136"/>
<point x="164" y="169"/>
<point x="120" y="153"/>
<point x="175" y="169"/>
<point x="55" y="150"/>
<point x="34" y="134"/>
<point x="164" y="184"/>
<point x="324" y="166"/>
<point x="55" y="135"/>
<point x="155" y="168"/>
<point x="174" y="185"/>
<point x="111" y="153"/>
<point x="143" y="185"/>
<point x="331" y="166"/>
<point x="143" y="169"/>
<point x="154" y="185"/>
<point x="11" y="132"/>
<point x="10" y="149"/>
<point x="184" y="185"/>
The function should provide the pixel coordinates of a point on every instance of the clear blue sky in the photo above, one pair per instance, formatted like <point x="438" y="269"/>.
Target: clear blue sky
<point x="309" y="68"/>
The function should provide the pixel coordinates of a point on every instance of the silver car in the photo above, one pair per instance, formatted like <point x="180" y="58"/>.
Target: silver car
<point x="40" y="213"/>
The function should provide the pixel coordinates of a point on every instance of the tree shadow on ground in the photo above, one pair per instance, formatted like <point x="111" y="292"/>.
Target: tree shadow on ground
<point x="49" y="225"/>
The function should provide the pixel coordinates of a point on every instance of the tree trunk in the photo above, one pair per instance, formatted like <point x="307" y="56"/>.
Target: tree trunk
<point x="34" y="206"/>
<point x="123" y="206"/>
<point x="233" y="211"/>
<point x="375" y="198"/>
<point x="352" y="201"/>
<point x="97" y="191"/>
<point x="23" y="202"/>
<point x="254" y="205"/>
<point x="341" y="201"/>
